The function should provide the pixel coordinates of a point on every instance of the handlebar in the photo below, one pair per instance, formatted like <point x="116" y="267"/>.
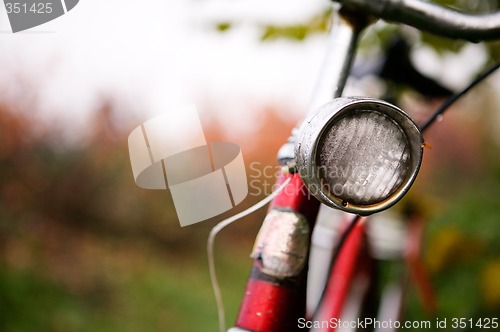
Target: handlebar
<point x="432" y="18"/>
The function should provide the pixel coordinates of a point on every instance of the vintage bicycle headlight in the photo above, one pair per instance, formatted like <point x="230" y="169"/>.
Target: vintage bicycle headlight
<point x="360" y="155"/>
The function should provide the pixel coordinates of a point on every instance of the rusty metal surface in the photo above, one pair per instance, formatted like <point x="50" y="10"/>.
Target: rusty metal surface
<point x="282" y="244"/>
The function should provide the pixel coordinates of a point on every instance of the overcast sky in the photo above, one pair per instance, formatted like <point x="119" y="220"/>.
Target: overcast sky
<point x="156" y="55"/>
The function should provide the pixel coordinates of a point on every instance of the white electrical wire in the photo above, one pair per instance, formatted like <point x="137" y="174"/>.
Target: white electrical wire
<point x="210" y="249"/>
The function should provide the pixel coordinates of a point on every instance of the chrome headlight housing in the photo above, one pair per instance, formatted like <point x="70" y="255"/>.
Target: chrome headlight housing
<point x="360" y="155"/>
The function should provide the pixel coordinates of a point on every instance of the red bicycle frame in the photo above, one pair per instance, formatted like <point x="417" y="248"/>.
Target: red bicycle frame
<point x="272" y="303"/>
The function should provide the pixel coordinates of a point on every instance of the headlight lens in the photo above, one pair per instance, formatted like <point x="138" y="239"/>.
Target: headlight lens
<point x="359" y="154"/>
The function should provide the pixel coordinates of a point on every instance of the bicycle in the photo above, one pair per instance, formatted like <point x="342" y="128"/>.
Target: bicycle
<point x="355" y="154"/>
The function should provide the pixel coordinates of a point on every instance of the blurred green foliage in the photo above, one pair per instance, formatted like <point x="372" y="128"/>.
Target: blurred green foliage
<point x="82" y="248"/>
<point x="316" y="24"/>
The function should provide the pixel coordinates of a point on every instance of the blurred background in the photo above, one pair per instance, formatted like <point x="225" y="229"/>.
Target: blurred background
<point x="83" y="249"/>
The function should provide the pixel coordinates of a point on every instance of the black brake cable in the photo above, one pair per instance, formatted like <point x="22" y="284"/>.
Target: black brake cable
<point x="452" y="99"/>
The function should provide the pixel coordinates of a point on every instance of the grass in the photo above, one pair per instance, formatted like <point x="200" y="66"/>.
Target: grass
<point x="155" y="295"/>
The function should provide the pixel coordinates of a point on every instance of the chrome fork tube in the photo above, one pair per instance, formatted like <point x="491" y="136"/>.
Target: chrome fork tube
<point x="344" y="33"/>
<point x="346" y="27"/>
